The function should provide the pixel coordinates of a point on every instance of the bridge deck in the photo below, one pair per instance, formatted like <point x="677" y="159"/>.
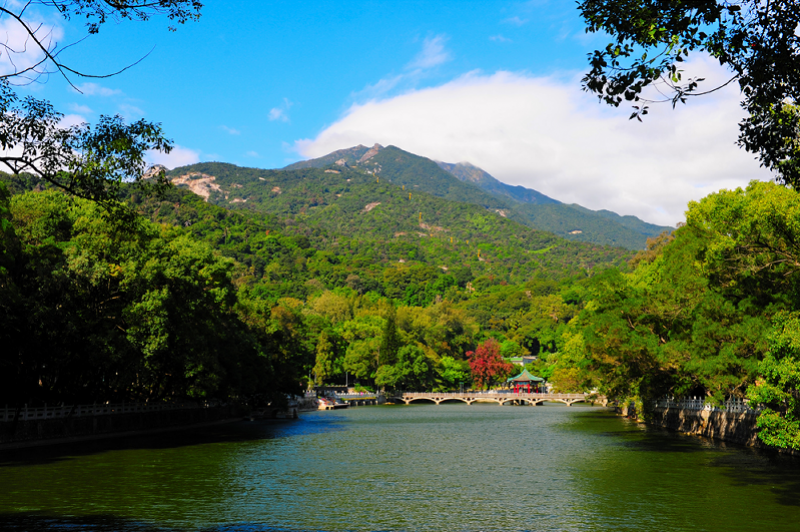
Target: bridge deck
<point x="501" y="398"/>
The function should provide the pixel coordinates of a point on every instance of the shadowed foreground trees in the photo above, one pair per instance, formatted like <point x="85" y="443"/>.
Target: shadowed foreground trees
<point x="97" y="311"/>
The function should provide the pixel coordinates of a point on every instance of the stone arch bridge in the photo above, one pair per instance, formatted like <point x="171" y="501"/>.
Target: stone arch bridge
<point x="532" y="399"/>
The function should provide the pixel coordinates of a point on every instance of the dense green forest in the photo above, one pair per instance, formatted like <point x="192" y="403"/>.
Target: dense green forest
<point x="200" y="301"/>
<point x="224" y="299"/>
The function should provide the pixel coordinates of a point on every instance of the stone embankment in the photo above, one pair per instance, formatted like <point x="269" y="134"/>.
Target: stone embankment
<point x="733" y="421"/>
<point x="43" y="426"/>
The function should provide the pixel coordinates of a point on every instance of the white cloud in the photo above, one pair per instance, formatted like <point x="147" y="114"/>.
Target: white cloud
<point x="81" y="109"/>
<point x="379" y="89"/>
<point x="277" y="113"/>
<point x="230" y="130"/>
<point x="433" y="53"/>
<point x="516" y="21"/>
<point x="72" y="120"/>
<point x="499" y="38"/>
<point x="19" y="52"/>
<point x="282" y="112"/>
<point x="179" y="156"/>
<point x="130" y="112"/>
<point x="546" y="134"/>
<point x="93" y="89"/>
<point x="252" y="153"/>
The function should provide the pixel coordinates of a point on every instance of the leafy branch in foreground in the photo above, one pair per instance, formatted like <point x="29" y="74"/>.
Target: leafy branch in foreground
<point x="757" y="41"/>
<point x="90" y="163"/>
<point x="39" y="55"/>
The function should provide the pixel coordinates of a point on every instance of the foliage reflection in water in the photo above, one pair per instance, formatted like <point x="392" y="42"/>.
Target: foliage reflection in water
<point x="419" y="468"/>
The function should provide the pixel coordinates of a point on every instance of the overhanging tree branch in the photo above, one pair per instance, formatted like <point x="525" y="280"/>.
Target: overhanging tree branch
<point x="758" y="41"/>
<point x="92" y="163"/>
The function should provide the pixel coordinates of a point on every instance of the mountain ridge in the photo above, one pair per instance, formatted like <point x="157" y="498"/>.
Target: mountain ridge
<point x="470" y="173"/>
<point x="525" y="205"/>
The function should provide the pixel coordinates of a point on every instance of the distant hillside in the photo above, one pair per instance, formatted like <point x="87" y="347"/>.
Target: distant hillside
<point x="402" y="168"/>
<point x="460" y="182"/>
<point x="573" y="222"/>
<point x="342" y="204"/>
<point x="467" y="183"/>
<point x="472" y="174"/>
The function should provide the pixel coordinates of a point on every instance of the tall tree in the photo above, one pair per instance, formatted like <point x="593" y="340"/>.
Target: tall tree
<point x="487" y="363"/>
<point x="327" y="364"/>
<point x="390" y="340"/>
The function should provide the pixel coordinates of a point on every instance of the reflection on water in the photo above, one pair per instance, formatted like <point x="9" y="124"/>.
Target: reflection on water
<point x="405" y="468"/>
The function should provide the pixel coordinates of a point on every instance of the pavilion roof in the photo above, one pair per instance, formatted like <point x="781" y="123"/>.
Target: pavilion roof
<point x="525" y="376"/>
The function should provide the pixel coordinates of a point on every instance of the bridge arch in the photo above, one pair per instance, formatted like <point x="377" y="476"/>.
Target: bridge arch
<point x="532" y="399"/>
<point x="454" y="400"/>
<point x="419" y="400"/>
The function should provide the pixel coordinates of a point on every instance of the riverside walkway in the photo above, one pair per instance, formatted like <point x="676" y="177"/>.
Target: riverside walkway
<point x="532" y="399"/>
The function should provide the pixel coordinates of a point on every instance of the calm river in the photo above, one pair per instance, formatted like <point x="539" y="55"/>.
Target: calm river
<point x="405" y="468"/>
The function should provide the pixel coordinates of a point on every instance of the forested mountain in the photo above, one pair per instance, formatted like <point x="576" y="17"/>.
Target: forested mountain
<point x="348" y="203"/>
<point x="570" y="221"/>
<point x="472" y="174"/>
<point x="524" y="205"/>
<point x="245" y="299"/>
<point x="577" y="223"/>
<point x="417" y="174"/>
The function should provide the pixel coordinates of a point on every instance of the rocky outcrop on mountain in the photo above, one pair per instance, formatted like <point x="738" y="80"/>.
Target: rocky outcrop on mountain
<point x="153" y="171"/>
<point x="372" y="152"/>
<point x="201" y="184"/>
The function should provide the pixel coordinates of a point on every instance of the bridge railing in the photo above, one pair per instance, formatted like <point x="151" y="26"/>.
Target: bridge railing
<point x="63" y="411"/>
<point x="733" y="404"/>
<point x="458" y="395"/>
<point x="356" y="395"/>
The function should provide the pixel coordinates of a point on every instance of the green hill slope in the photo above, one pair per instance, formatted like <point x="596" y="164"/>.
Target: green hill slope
<point x="467" y="183"/>
<point x="416" y="173"/>
<point x="574" y="222"/>
<point x="347" y="211"/>
<point x="472" y="174"/>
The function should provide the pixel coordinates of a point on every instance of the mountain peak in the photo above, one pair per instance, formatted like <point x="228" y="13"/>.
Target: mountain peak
<point x="465" y="182"/>
<point x="372" y="152"/>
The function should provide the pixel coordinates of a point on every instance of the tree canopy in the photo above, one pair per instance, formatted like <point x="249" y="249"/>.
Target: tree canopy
<point x="757" y="41"/>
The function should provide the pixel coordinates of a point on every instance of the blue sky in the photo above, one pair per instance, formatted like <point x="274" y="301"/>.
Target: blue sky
<point x="266" y="83"/>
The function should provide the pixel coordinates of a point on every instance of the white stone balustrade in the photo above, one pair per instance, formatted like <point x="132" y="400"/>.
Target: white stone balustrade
<point x="63" y="411"/>
<point x="733" y="404"/>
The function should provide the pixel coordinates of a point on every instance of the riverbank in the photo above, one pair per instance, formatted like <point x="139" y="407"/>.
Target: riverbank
<point x="733" y="427"/>
<point x="729" y="426"/>
<point x="37" y="432"/>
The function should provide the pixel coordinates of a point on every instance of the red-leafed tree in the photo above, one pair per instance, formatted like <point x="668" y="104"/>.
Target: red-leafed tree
<point x="487" y="364"/>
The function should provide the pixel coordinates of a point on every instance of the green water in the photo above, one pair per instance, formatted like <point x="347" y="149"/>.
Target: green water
<point x="405" y="468"/>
